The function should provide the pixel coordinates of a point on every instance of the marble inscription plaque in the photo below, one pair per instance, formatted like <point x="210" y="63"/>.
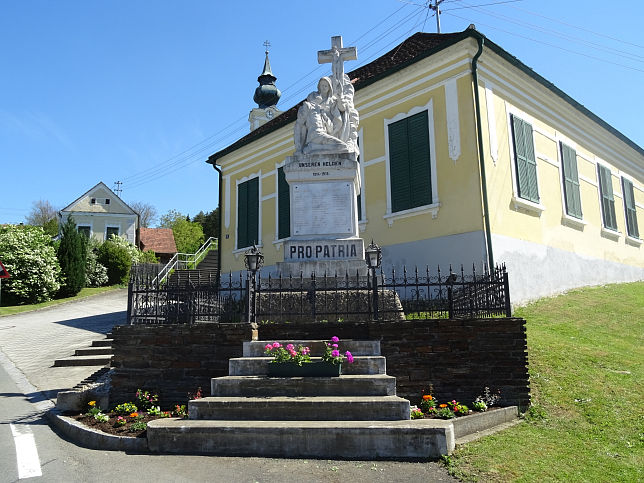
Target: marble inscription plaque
<point x="320" y="209"/>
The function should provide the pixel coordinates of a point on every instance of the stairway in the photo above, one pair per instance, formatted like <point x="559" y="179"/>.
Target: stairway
<point x="98" y="354"/>
<point x="206" y="272"/>
<point x="355" y="415"/>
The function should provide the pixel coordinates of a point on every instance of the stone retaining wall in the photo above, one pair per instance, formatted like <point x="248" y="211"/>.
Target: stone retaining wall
<point x="457" y="357"/>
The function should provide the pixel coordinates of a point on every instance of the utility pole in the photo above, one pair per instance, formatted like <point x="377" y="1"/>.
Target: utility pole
<point x="436" y="7"/>
<point x="118" y="188"/>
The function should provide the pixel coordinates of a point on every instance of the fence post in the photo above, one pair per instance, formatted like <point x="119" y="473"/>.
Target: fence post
<point x="375" y="293"/>
<point x="129" y="302"/>
<point x="250" y="297"/>
<point x="506" y="289"/>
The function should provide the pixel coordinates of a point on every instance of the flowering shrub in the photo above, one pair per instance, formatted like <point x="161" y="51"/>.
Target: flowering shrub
<point x="332" y="353"/>
<point x="289" y="353"/>
<point x="181" y="411"/>
<point x="95" y="273"/>
<point x="444" y="412"/>
<point x="478" y="405"/>
<point x="428" y="404"/>
<point x="93" y="409"/>
<point x="125" y="408"/>
<point x="120" y="421"/>
<point x="416" y="413"/>
<point x="458" y="408"/>
<point x="154" y="411"/>
<point x="102" y="417"/>
<point x="482" y="403"/>
<point x="145" y="399"/>
<point x="30" y="259"/>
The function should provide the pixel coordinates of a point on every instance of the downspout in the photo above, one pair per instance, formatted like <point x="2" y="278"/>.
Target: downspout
<point x="221" y="218"/>
<point x="479" y="134"/>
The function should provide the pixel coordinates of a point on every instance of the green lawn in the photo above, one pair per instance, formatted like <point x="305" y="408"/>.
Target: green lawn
<point x="86" y="292"/>
<point x="587" y="421"/>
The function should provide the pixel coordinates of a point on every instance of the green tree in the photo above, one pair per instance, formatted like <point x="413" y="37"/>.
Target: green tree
<point x="29" y="257"/>
<point x="209" y="222"/>
<point x="117" y="259"/>
<point x="43" y="214"/>
<point x="72" y="254"/>
<point x="188" y="235"/>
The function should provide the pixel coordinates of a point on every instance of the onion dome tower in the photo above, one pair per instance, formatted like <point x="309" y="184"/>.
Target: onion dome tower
<point x="266" y="96"/>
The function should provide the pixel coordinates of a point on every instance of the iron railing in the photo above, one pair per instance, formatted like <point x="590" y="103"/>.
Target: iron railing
<point x="391" y="295"/>
<point x="183" y="261"/>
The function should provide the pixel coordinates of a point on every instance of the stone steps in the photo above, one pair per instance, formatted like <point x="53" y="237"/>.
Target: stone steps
<point x="94" y="351"/>
<point x="313" y="408"/>
<point x="256" y="366"/>
<point x="83" y="361"/>
<point x="102" y="343"/>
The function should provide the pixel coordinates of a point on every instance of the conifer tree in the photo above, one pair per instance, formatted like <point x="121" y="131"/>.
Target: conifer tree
<point x="72" y="253"/>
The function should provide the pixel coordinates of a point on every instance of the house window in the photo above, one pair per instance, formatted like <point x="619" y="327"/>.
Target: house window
<point x="93" y="201"/>
<point x="84" y="230"/>
<point x="111" y="230"/>
<point x="630" y="209"/>
<point x="606" y="195"/>
<point x="524" y="160"/>
<point x="248" y="213"/>
<point x="283" y="206"/>
<point x="572" y="195"/>
<point x="107" y="201"/>
<point x="409" y="162"/>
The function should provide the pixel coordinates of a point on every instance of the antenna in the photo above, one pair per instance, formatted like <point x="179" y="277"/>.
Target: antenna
<point x="435" y="7"/>
<point x="118" y="188"/>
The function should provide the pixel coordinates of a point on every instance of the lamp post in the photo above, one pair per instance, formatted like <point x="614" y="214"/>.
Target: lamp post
<point x="254" y="260"/>
<point x="373" y="258"/>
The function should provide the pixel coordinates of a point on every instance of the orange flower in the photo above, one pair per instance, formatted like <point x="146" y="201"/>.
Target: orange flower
<point x="91" y="403"/>
<point x="442" y="406"/>
<point x="134" y="415"/>
<point x="427" y="396"/>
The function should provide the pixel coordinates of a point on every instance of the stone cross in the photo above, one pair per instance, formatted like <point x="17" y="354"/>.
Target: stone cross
<point x="337" y="55"/>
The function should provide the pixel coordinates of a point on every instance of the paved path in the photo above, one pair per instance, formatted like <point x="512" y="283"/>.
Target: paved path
<point x="33" y="340"/>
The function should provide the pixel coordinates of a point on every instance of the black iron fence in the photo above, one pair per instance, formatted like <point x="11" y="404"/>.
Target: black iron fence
<point x="391" y="295"/>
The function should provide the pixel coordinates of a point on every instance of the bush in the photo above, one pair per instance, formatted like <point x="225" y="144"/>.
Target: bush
<point x="71" y="256"/>
<point x="30" y="259"/>
<point x="95" y="272"/>
<point x="117" y="259"/>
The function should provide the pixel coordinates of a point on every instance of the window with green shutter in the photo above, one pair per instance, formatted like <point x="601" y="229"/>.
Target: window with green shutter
<point x="630" y="209"/>
<point x="359" y="197"/>
<point x="409" y="163"/>
<point x="607" y="199"/>
<point x="283" y="206"/>
<point x="248" y="213"/>
<point x="572" y="195"/>
<point x="525" y="160"/>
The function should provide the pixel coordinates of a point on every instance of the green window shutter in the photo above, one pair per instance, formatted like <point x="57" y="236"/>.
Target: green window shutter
<point x="409" y="162"/>
<point x="359" y="197"/>
<point x="572" y="193"/>
<point x="630" y="208"/>
<point x="283" y="205"/>
<point x="247" y="213"/>
<point x="608" y="201"/>
<point x="526" y="164"/>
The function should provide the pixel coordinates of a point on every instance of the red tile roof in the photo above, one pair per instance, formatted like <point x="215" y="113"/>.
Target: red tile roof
<point x="158" y="240"/>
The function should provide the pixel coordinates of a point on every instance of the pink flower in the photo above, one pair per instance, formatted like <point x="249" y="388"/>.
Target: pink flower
<point x="293" y="353"/>
<point x="334" y="345"/>
<point x="290" y="347"/>
<point x="349" y="357"/>
<point x="305" y="350"/>
<point x="276" y="345"/>
<point x="268" y="347"/>
<point x="335" y="339"/>
<point x="335" y="353"/>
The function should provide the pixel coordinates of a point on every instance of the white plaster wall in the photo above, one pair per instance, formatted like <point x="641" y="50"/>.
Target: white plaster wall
<point x="537" y="270"/>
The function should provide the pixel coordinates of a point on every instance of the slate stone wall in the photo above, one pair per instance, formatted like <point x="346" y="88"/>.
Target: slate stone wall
<point x="458" y="358"/>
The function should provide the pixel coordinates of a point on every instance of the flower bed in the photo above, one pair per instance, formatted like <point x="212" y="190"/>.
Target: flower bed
<point x="430" y="408"/>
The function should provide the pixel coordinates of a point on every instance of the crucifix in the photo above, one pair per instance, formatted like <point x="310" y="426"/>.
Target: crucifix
<point x="337" y="55"/>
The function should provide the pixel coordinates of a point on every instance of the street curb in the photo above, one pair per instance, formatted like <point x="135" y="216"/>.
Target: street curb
<point x="93" y="439"/>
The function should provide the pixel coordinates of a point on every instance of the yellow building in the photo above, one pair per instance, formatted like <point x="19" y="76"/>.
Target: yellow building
<point x="466" y="156"/>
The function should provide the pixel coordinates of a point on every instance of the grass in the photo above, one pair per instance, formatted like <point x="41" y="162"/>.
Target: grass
<point x="86" y="292"/>
<point x="585" y="353"/>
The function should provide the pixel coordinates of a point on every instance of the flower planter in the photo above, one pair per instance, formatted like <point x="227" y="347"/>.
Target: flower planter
<point x="307" y="369"/>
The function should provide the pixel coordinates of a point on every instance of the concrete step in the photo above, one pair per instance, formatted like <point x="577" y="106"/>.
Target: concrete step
<point x="262" y="386"/>
<point x="256" y="366"/>
<point x="102" y="343"/>
<point x="422" y="438"/>
<point x="94" y="351"/>
<point x="356" y="347"/>
<point x="83" y="361"/>
<point x="319" y="408"/>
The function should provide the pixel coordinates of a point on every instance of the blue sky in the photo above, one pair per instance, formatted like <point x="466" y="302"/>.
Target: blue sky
<point x="144" y="91"/>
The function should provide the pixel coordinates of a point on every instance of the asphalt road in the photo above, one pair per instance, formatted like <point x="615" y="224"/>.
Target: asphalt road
<point x="29" y="448"/>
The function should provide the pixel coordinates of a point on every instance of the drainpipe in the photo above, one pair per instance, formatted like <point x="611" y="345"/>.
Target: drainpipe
<point x="221" y="217"/>
<point x="479" y="133"/>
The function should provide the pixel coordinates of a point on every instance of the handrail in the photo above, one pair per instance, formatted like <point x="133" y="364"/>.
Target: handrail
<point x="182" y="261"/>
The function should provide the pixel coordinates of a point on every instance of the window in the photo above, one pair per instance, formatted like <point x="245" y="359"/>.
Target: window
<point x="572" y="195"/>
<point x="107" y="201"/>
<point x="525" y="160"/>
<point x="111" y="230"/>
<point x="630" y="209"/>
<point x="93" y="201"/>
<point x="283" y="206"/>
<point x="606" y="195"/>
<point x="409" y="162"/>
<point x="248" y="213"/>
<point x="84" y="230"/>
